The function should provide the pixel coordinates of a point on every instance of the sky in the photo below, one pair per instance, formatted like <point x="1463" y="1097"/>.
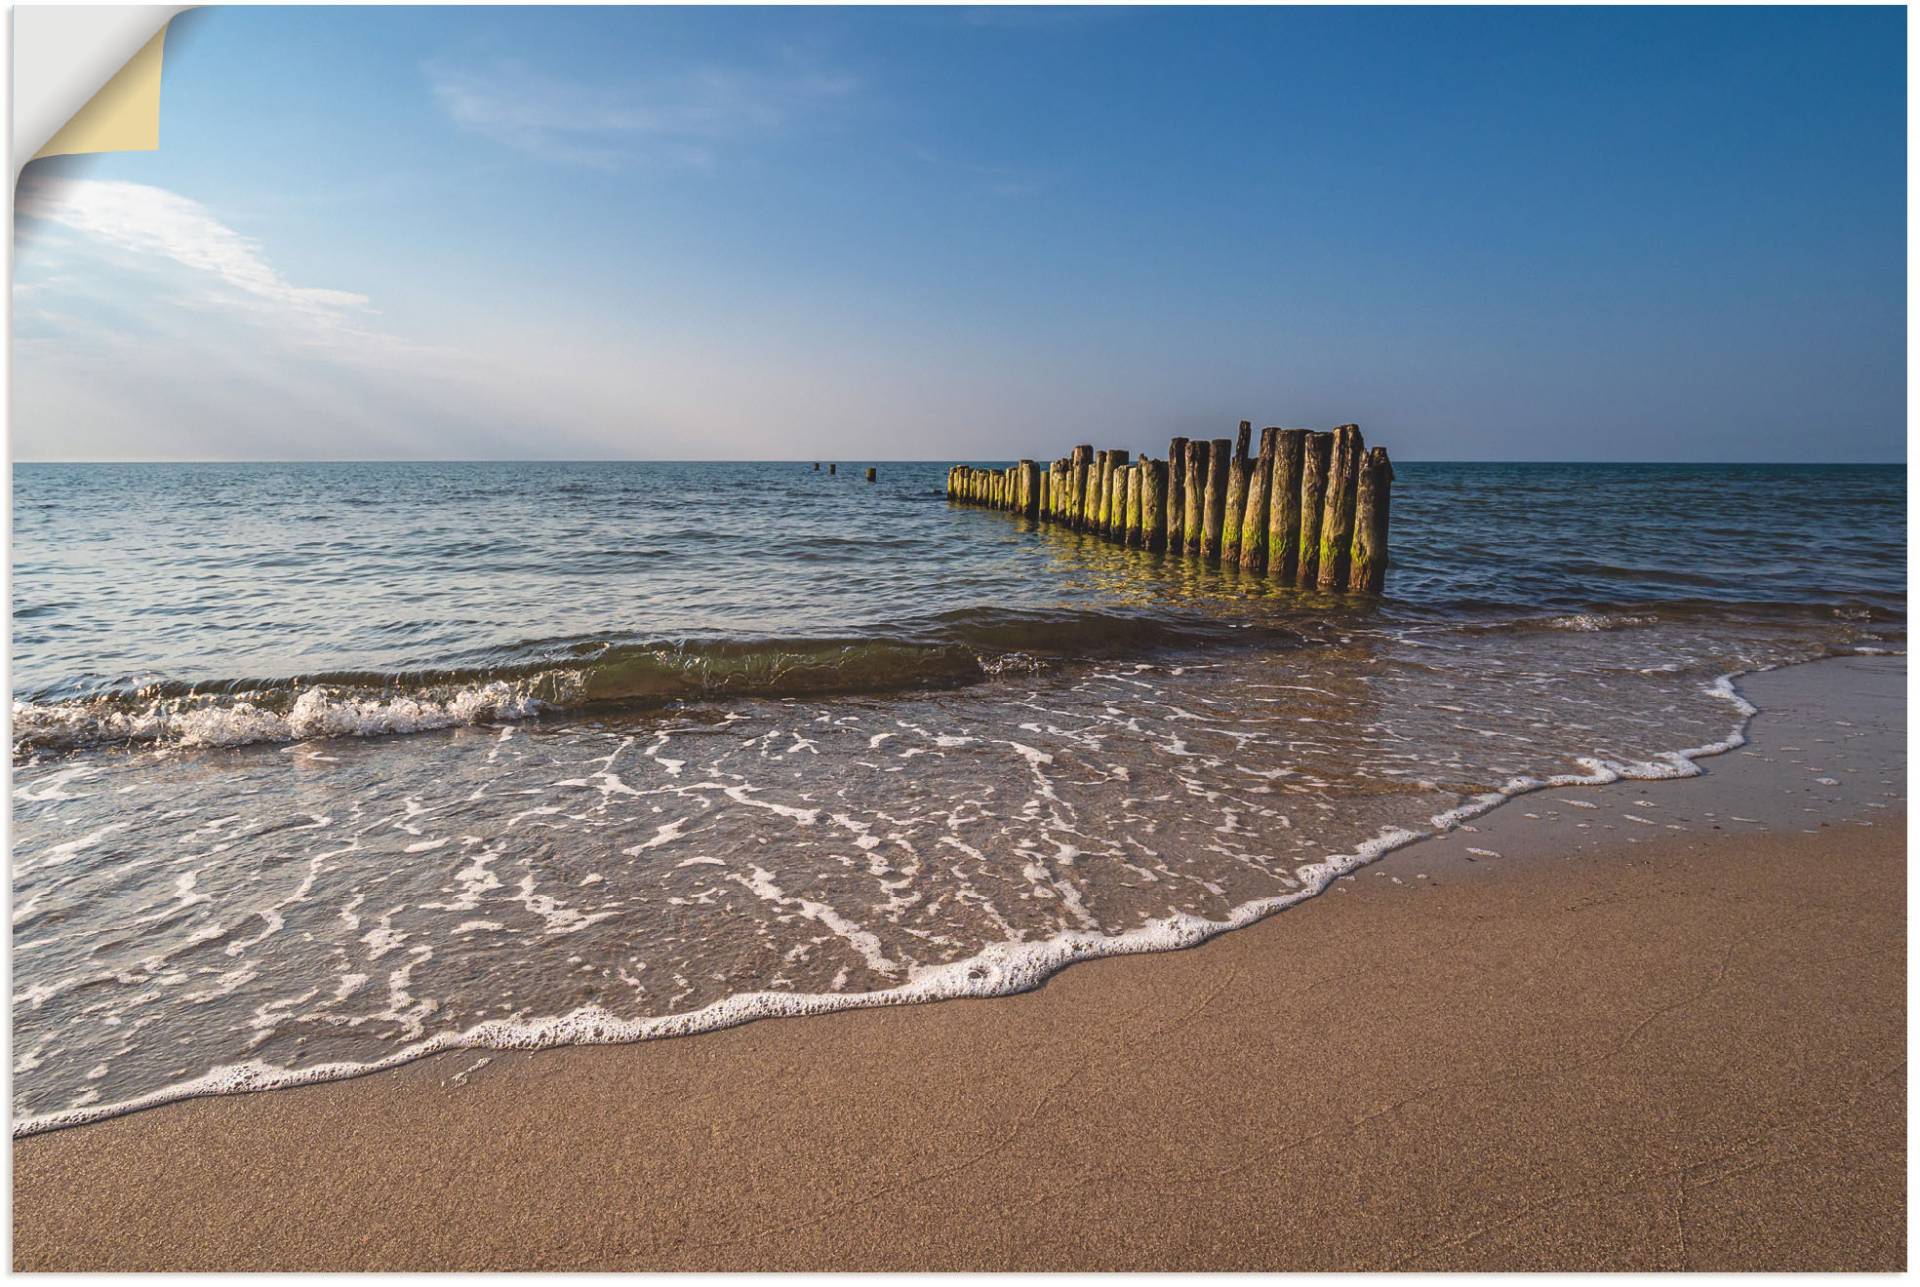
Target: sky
<point x="714" y="233"/>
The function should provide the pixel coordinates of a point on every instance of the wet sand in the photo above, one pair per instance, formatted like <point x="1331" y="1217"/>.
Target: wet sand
<point x="1643" y="1026"/>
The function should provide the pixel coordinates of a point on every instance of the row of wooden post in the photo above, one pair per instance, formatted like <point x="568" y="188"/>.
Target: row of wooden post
<point x="873" y="475"/>
<point x="1309" y="510"/>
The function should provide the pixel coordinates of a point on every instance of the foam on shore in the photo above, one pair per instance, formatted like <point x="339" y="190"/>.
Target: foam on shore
<point x="1000" y="969"/>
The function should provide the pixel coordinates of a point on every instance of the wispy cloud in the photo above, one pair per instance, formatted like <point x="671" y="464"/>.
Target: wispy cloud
<point x="147" y="327"/>
<point x="150" y="221"/>
<point x="687" y="118"/>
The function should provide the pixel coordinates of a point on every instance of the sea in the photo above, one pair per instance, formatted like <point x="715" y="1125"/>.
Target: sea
<point x="321" y="768"/>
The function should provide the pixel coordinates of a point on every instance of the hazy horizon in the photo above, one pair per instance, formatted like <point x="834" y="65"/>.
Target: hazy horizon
<point x="1656" y="235"/>
<point x="894" y="460"/>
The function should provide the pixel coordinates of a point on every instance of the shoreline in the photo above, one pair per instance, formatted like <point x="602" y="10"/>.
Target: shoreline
<point x="1010" y="969"/>
<point x="907" y="1105"/>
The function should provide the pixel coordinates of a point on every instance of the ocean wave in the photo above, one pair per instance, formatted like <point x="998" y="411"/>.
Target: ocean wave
<point x="214" y="721"/>
<point x="1000" y="969"/>
<point x="540" y="678"/>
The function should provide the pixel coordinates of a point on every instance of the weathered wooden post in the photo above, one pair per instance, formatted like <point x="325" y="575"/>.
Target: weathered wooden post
<point x="1313" y="498"/>
<point x="1029" y="489"/>
<point x="1219" y="452"/>
<point x="1193" y="489"/>
<point x="1175" y="498"/>
<point x="1097" y="490"/>
<point x="816" y="466"/>
<point x="1336" y="522"/>
<point x="1135" y="504"/>
<point x="1116" y="508"/>
<point x="833" y="468"/>
<point x="1235" y="512"/>
<point x="1371" y="502"/>
<point x="872" y="473"/>
<point x="1074" y="511"/>
<point x="1253" y="529"/>
<point x="1116" y="494"/>
<point x="1153" y="507"/>
<point x="1243" y="441"/>
<point x="1283" y="505"/>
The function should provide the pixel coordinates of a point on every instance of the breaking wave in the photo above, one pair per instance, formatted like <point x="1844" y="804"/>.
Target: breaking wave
<point x="537" y="679"/>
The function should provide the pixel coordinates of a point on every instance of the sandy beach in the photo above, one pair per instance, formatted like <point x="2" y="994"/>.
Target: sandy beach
<point x="1641" y="1026"/>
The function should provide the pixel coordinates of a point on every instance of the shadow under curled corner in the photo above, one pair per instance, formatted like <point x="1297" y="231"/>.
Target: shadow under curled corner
<point x="88" y="78"/>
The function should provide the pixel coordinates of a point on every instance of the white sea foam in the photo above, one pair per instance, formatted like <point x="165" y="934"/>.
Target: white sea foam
<point x="1599" y="621"/>
<point x="318" y="712"/>
<point x="1001" y="968"/>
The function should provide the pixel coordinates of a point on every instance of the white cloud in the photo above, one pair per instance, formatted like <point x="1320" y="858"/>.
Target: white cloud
<point x="687" y="117"/>
<point x="146" y="220"/>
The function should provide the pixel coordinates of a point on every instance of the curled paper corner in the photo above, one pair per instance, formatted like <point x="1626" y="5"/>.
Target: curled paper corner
<point x="87" y="79"/>
<point x="124" y="116"/>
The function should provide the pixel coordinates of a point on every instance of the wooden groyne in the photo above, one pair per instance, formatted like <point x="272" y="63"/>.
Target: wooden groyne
<point x="1308" y="509"/>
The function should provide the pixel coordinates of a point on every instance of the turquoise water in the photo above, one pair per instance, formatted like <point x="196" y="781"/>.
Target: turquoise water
<point x="322" y="767"/>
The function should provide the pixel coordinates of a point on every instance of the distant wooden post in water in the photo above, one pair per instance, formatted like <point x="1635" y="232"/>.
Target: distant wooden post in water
<point x="872" y="474"/>
<point x="1310" y="509"/>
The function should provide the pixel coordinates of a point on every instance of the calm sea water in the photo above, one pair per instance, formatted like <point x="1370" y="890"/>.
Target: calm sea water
<point x="322" y="767"/>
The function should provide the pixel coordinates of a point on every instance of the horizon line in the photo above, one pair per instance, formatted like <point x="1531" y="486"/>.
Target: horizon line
<point x="856" y="460"/>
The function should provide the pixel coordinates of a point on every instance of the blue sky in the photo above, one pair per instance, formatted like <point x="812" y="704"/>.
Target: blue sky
<point x="789" y="233"/>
